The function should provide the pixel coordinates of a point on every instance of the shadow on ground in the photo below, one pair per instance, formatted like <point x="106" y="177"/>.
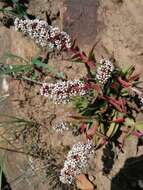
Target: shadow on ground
<point x="5" y="185"/>
<point x="130" y="177"/>
<point x="108" y="158"/>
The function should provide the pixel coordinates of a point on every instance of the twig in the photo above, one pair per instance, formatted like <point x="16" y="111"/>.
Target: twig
<point x="31" y="80"/>
<point x="17" y="151"/>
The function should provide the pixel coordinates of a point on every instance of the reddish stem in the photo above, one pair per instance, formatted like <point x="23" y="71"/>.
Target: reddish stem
<point x="123" y="82"/>
<point x="118" y="120"/>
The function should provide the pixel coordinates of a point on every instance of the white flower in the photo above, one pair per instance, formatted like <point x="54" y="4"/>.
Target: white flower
<point x="63" y="91"/>
<point x="77" y="160"/>
<point x="104" y="71"/>
<point x="44" y="34"/>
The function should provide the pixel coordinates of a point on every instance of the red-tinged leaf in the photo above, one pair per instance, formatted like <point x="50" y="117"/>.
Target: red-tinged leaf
<point x="74" y="49"/>
<point x="77" y="48"/>
<point x="102" y="141"/>
<point x="85" y="60"/>
<point x="77" y="55"/>
<point x="118" y="104"/>
<point x="123" y="83"/>
<point x="91" y="132"/>
<point x="122" y="103"/>
<point x="74" y="37"/>
<point x="135" y="77"/>
<point x="137" y="134"/>
<point x="84" y="53"/>
<point x="83" y="127"/>
<point x="83" y="57"/>
<point x="118" y="120"/>
<point x="90" y="63"/>
<point x="111" y="100"/>
<point x="91" y="56"/>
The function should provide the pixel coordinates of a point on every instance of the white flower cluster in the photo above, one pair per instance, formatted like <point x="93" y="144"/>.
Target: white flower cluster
<point x="63" y="91"/>
<point x="104" y="71"/>
<point x="44" y="34"/>
<point x="77" y="160"/>
<point x="60" y="127"/>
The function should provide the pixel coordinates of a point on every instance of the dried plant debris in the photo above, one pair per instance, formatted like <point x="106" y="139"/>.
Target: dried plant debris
<point x="7" y="21"/>
<point x="52" y="163"/>
<point x="29" y="136"/>
<point x="53" y="172"/>
<point x="61" y="126"/>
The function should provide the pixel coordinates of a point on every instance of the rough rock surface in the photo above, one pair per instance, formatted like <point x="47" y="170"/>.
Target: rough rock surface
<point x="116" y="25"/>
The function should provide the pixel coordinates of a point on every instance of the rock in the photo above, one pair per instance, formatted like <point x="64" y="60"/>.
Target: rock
<point x="116" y="25"/>
<point x="80" y="20"/>
<point x="83" y="183"/>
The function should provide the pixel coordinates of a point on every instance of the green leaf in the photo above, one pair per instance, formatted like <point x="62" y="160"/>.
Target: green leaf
<point x="12" y="70"/>
<point x="124" y="92"/>
<point x="34" y="76"/>
<point x="19" y="8"/>
<point x="61" y="75"/>
<point x="8" y="11"/>
<point x="112" y="130"/>
<point x="128" y="71"/>
<point x="80" y="103"/>
<point x="2" y="98"/>
<point x="13" y="56"/>
<point x="102" y="128"/>
<point x="39" y="63"/>
<point x="129" y="122"/>
<point x="91" y="55"/>
<point x="14" y="1"/>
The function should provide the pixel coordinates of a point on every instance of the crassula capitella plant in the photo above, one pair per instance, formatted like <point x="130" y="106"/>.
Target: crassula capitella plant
<point x="107" y="100"/>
